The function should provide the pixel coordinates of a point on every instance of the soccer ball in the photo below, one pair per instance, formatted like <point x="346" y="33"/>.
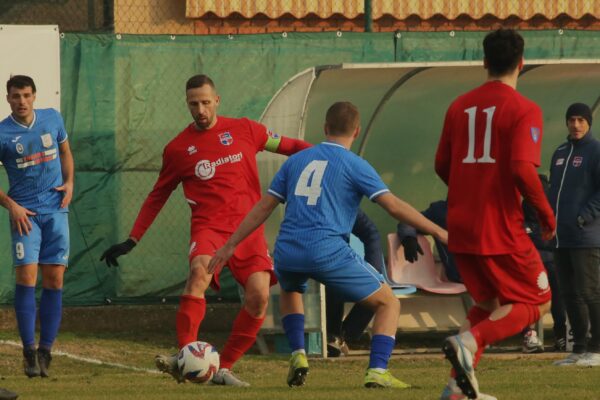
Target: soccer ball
<point x="198" y="362"/>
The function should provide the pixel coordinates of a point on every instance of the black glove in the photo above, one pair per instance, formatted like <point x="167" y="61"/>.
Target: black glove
<point x="117" y="250"/>
<point x="411" y="248"/>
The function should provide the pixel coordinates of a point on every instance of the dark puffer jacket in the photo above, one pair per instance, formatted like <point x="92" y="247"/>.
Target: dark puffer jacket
<point x="575" y="191"/>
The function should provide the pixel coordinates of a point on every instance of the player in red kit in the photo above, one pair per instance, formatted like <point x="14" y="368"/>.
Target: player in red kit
<point x="214" y="159"/>
<point x="487" y="155"/>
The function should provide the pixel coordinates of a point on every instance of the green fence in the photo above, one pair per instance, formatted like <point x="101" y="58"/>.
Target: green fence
<point x="123" y="99"/>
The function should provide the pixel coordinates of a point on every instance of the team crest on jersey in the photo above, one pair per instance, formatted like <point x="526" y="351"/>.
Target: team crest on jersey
<point x="535" y="134"/>
<point x="20" y="149"/>
<point x="46" y="140"/>
<point x="272" y="134"/>
<point x="191" y="150"/>
<point x="225" y="138"/>
<point x="577" y="161"/>
<point x="559" y="162"/>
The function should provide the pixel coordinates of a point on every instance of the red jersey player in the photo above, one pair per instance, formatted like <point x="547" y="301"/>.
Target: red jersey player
<point x="487" y="155"/>
<point x="215" y="160"/>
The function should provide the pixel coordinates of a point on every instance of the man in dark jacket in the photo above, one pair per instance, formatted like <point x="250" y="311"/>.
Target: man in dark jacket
<point x="407" y="235"/>
<point x="575" y="197"/>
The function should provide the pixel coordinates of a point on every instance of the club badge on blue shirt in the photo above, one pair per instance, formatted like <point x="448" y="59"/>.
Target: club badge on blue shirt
<point x="535" y="134"/>
<point x="225" y="138"/>
<point x="46" y="140"/>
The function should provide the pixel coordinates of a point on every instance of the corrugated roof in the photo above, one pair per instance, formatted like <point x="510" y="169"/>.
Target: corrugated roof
<point x="399" y="9"/>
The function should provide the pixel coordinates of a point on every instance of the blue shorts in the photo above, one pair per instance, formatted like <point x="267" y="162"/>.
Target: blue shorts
<point x="46" y="243"/>
<point x="351" y="278"/>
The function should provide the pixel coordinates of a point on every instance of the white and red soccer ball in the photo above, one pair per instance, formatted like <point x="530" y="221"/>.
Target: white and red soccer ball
<point x="198" y="362"/>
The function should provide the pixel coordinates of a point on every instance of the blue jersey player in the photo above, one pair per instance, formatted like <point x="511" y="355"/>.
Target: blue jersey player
<point x="323" y="187"/>
<point x="36" y="155"/>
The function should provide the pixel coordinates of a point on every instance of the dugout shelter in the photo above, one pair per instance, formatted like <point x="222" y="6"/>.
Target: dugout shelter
<point x="402" y="108"/>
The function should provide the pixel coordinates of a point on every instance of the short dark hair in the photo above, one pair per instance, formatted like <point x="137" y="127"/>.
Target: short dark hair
<point x="20" y="82"/>
<point x="197" y="81"/>
<point x="503" y="50"/>
<point x="342" y="119"/>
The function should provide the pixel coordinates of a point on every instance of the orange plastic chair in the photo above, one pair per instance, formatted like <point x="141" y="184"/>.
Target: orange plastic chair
<point x="424" y="273"/>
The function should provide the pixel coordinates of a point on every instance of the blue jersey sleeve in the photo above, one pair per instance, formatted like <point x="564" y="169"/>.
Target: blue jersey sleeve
<point x="278" y="186"/>
<point x="367" y="180"/>
<point x="62" y="132"/>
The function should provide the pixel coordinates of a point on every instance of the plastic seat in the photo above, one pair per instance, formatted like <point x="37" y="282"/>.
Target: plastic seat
<point x="424" y="273"/>
<point x="398" y="289"/>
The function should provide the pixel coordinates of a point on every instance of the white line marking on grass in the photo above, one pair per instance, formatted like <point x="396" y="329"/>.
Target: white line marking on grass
<point x="86" y="359"/>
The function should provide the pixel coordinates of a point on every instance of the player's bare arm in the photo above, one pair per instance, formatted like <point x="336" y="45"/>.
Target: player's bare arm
<point x="259" y="213"/>
<point x="68" y="173"/>
<point x="406" y="213"/>
<point x="19" y="216"/>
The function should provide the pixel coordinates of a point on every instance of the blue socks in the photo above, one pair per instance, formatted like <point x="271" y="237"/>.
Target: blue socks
<point x="381" y="350"/>
<point x="293" y="325"/>
<point x="25" y="312"/>
<point x="50" y="316"/>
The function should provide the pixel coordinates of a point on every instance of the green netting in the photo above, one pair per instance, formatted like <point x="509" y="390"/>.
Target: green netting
<point x="123" y="100"/>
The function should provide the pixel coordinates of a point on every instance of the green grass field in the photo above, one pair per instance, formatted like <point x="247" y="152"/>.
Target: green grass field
<point x="507" y="376"/>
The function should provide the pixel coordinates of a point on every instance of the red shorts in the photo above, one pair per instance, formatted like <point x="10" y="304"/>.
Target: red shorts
<point x="250" y="256"/>
<point x="512" y="278"/>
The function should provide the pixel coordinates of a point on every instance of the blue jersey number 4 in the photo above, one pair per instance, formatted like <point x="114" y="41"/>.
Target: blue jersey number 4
<point x="309" y="183"/>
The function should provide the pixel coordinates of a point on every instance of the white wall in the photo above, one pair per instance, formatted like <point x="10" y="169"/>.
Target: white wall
<point x="32" y="50"/>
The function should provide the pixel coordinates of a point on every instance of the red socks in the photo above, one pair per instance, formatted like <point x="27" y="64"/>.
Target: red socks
<point x="475" y="316"/>
<point x="189" y="317"/>
<point x="243" y="335"/>
<point x="520" y="316"/>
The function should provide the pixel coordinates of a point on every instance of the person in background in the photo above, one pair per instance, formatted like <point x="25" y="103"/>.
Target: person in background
<point x="575" y="195"/>
<point x="407" y="235"/>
